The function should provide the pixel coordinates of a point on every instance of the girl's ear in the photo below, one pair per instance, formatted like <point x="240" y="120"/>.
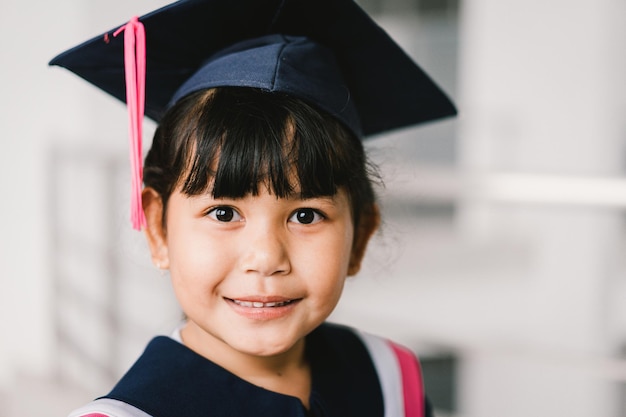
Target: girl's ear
<point x="155" y="231"/>
<point x="368" y="224"/>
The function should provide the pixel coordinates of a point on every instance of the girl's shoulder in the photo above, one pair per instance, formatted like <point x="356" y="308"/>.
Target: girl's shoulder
<point x="383" y="351"/>
<point x="397" y="367"/>
<point x="106" y="407"/>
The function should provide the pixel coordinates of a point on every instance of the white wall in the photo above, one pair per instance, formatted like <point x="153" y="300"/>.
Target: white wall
<point x="543" y="91"/>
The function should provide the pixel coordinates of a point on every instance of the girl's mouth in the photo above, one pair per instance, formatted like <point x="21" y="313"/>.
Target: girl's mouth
<point x="260" y="304"/>
<point x="261" y="310"/>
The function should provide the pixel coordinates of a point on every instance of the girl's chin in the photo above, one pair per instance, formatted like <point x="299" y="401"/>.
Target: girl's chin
<point x="264" y="338"/>
<point x="266" y="346"/>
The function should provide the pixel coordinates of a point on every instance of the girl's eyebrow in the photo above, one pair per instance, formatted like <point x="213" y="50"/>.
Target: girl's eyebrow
<point x="324" y="199"/>
<point x="330" y="202"/>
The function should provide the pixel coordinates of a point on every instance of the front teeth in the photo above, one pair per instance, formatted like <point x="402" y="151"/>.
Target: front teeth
<point x="258" y="304"/>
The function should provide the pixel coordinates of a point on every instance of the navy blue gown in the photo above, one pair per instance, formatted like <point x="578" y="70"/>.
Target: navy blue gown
<point x="352" y="375"/>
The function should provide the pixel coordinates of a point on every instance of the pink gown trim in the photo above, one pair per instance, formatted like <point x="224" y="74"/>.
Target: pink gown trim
<point x="412" y="385"/>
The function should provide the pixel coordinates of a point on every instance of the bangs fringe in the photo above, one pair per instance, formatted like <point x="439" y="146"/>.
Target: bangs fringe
<point x="246" y="139"/>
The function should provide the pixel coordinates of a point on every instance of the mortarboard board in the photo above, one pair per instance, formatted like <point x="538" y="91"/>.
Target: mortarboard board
<point x="347" y="65"/>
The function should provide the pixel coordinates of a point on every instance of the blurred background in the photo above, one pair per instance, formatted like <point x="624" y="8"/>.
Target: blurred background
<point x="501" y="262"/>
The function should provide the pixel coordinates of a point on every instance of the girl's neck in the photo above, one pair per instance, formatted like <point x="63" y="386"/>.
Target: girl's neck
<point x="286" y="373"/>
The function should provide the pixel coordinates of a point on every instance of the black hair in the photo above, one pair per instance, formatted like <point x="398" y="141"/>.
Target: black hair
<point x="237" y="139"/>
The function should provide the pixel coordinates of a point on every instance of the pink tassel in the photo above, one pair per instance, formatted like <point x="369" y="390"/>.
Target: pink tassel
<point x="135" y="72"/>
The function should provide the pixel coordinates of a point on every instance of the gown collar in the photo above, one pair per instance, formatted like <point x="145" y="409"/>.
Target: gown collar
<point x="171" y="380"/>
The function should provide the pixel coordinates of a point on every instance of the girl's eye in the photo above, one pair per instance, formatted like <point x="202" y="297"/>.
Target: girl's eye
<point x="224" y="214"/>
<point x="306" y="216"/>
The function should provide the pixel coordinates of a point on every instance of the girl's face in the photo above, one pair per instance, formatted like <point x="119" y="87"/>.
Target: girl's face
<point x="254" y="275"/>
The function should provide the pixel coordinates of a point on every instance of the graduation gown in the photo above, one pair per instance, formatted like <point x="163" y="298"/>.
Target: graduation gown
<point x="353" y="374"/>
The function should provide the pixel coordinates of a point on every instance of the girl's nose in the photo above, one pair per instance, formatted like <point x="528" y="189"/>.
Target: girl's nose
<point x="265" y="252"/>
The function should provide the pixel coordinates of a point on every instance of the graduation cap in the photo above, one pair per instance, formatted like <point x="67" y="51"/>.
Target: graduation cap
<point x="329" y="53"/>
<point x="387" y="89"/>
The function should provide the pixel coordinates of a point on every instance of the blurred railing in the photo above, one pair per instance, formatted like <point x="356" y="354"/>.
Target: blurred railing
<point x="108" y="300"/>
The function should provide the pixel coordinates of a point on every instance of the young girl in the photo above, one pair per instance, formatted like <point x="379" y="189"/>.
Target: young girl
<point x="259" y="202"/>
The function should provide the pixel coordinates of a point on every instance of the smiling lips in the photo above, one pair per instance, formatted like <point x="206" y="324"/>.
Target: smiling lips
<point x="259" y="304"/>
<point x="263" y="310"/>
